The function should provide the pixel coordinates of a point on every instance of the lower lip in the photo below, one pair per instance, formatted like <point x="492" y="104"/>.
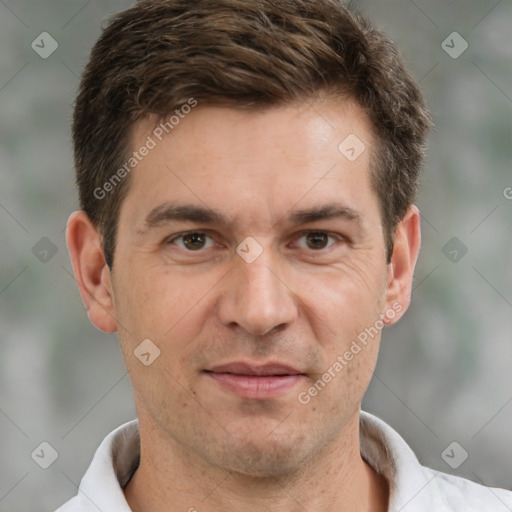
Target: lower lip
<point x="253" y="386"/>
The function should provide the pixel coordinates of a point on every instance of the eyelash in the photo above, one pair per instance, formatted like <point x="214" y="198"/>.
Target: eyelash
<point x="334" y="236"/>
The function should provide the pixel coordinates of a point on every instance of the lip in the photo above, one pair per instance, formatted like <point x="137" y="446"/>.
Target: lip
<point x="242" y="368"/>
<point x="256" y="381"/>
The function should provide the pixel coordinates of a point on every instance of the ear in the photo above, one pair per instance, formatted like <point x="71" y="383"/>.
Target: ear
<point x="407" y="243"/>
<point x="91" y="272"/>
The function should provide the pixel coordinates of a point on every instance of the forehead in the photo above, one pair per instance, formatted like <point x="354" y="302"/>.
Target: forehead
<point x="243" y="161"/>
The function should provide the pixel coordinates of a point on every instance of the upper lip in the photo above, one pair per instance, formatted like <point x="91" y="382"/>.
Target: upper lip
<point x="242" y="368"/>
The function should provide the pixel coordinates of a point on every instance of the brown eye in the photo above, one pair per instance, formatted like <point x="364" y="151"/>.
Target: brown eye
<point x="317" y="241"/>
<point x="194" y="241"/>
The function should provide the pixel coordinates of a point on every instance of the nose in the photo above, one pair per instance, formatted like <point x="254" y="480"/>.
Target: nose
<point x="257" y="297"/>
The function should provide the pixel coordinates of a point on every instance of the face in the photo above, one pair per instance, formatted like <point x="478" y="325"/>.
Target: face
<point x="251" y="252"/>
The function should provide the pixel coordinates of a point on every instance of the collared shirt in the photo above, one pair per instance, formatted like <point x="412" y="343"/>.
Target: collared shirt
<point x="413" y="487"/>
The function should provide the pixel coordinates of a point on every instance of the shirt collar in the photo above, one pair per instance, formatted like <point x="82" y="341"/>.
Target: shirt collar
<point x="117" y="458"/>
<point x="388" y="454"/>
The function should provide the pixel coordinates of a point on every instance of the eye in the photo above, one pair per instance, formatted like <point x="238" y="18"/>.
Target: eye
<point x="194" y="241"/>
<point x="316" y="240"/>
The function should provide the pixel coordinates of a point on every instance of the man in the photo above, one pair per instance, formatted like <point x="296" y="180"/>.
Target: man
<point x="247" y="171"/>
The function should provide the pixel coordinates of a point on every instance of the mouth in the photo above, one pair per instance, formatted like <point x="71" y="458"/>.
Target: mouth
<point x="256" y="381"/>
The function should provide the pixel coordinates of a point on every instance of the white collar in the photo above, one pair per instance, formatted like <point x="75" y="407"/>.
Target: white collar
<point x="413" y="487"/>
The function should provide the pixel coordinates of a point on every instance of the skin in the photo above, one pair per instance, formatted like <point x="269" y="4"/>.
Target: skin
<point x="201" y="445"/>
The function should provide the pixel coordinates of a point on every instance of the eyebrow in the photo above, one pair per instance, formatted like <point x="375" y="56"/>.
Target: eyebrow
<point x="327" y="212"/>
<point x="171" y="212"/>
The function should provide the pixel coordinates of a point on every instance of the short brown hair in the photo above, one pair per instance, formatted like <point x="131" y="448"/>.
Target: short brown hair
<point x="157" y="55"/>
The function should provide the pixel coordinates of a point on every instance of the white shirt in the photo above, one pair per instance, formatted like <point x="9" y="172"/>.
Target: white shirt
<point x="413" y="487"/>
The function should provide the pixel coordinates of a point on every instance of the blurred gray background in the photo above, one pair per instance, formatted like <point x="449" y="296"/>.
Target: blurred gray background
<point x="445" y="371"/>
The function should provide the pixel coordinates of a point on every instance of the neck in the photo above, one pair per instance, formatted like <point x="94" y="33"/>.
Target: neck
<point x="335" y="479"/>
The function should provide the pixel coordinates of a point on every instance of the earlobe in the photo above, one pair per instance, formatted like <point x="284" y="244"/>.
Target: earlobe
<point x="403" y="262"/>
<point x="91" y="271"/>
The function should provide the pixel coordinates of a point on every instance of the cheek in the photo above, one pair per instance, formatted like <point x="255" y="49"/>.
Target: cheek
<point x="159" y="302"/>
<point x="171" y="311"/>
<point x="345" y="299"/>
<point x="343" y="310"/>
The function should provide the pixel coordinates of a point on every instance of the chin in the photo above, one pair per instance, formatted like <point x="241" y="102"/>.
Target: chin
<point x="265" y="459"/>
